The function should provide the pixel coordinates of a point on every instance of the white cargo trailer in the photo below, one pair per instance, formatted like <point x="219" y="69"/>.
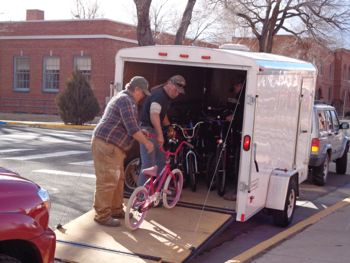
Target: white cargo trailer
<point x="274" y="152"/>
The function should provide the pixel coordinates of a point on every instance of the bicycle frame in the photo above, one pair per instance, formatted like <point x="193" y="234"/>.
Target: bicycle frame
<point x="162" y="176"/>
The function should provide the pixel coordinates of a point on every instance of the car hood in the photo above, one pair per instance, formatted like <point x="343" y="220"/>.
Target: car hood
<point x="7" y="173"/>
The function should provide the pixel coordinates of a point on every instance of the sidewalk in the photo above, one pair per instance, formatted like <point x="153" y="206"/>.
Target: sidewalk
<point x="323" y="237"/>
<point x="326" y="241"/>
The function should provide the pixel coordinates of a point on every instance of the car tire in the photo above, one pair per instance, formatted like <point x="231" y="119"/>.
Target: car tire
<point x="320" y="173"/>
<point x="342" y="163"/>
<point x="8" y="259"/>
<point x="284" y="218"/>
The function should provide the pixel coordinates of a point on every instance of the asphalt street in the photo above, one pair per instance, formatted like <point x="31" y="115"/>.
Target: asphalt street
<point x="60" y="161"/>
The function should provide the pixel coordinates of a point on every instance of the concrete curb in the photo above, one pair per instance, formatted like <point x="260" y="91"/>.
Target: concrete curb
<point x="267" y="244"/>
<point x="48" y="125"/>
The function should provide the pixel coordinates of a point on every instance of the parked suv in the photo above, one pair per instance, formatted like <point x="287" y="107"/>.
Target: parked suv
<point x="329" y="143"/>
<point x="24" y="216"/>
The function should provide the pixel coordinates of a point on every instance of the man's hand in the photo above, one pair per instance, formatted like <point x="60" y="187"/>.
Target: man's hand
<point x="160" y="139"/>
<point x="149" y="146"/>
<point x="145" y="132"/>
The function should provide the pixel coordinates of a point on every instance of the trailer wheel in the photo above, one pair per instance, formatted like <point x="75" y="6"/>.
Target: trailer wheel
<point x="8" y="259"/>
<point x="320" y="173"/>
<point x="342" y="162"/>
<point x="284" y="218"/>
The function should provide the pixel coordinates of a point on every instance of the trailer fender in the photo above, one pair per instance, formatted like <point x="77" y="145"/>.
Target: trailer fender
<point x="278" y="187"/>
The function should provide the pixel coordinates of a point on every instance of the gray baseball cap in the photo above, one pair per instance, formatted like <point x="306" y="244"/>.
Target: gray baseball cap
<point x="180" y="82"/>
<point x="140" y="82"/>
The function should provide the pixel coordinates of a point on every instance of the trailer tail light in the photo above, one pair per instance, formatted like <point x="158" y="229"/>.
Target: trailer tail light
<point x="242" y="217"/>
<point x="184" y="56"/>
<point x="246" y="142"/>
<point x="163" y="54"/>
<point x="315" y="145"/>
<point x="205" y="57"/>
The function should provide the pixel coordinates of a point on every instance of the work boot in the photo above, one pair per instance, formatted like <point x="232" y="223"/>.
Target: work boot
<point x="110" y="222"/>
<point x="121" y="215"/>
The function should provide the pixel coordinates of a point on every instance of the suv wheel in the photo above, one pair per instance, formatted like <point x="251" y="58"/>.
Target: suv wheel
<point x="320" y="173"/>
<point x="342" y="162"/>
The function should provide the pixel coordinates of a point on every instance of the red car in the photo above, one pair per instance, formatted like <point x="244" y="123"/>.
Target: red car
<point x="24" y="216"/>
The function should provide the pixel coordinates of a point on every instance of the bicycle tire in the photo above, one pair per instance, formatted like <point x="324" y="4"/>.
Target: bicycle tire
<point x="221" y="175"/>
<point x="192" y="172"/>
<point x="211" y="165"/>
<point x="172" y="188"/>
<point x="137" y="199"/>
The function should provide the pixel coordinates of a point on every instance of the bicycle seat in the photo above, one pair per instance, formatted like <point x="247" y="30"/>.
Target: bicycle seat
<point x="151" y="171"/>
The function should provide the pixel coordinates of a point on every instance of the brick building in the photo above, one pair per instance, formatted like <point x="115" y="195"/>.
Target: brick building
<point x="37" y="57"/>
<point x="333" y="80"/>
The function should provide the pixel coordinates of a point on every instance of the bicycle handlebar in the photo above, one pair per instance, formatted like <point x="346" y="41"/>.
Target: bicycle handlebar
<point x="184" y="130"/>
<point x="178" y="149"/>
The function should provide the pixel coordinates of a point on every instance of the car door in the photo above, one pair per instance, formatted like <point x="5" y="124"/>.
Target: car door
<point x="337" y="135"/>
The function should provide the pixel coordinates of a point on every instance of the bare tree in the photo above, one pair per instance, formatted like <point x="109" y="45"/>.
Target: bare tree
<point x="86" y="9"/>
<point x="144" y="32"/>
<point x="185" y="22"/>
<point x="266" y="18"/>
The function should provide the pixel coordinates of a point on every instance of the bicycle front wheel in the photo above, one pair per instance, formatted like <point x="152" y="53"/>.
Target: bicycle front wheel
<point x="136" y="208"/>
<point x="172" y="188"/>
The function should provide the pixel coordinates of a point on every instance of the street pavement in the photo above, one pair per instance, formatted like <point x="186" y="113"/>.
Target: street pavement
<point x="323" y="237"/>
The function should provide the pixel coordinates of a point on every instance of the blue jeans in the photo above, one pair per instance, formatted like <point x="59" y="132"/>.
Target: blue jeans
<point x="150" y="159"/>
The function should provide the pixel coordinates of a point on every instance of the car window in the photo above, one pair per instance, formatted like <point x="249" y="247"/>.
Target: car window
<point x="322" y="121"/>
<point x="329" y="120"/>
<point x="335" y="120"/>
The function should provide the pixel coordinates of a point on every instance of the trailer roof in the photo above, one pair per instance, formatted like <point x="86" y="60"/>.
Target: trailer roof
<point x="193" y="54"/>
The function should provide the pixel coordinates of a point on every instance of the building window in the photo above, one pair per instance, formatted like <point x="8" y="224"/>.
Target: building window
<point x="51" y="73"/>
<point x="21" y="74"/>
<point x="83" y="64"/>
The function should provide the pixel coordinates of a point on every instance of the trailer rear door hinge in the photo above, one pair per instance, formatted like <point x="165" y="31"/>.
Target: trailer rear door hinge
<point x="243" y="187"/>
<point x="250" y="99"/>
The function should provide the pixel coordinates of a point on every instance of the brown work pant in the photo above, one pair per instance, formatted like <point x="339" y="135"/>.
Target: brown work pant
<point x="109" y="169"/>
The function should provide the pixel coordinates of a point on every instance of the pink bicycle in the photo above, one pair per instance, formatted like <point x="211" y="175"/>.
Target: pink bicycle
<point x="166" y="185"/>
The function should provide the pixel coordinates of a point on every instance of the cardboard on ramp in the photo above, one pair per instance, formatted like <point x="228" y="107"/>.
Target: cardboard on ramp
<point x="165" y="236"/>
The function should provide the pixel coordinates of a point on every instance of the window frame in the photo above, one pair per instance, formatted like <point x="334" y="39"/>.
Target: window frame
<point x="44" y="80"/>
<point x="76" y="58"/>
<point x="16" y="73"/>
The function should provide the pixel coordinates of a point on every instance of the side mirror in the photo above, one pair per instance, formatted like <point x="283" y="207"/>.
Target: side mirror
<point x="344" y="125"/>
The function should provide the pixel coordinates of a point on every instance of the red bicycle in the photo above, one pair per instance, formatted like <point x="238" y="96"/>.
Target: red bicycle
<point x="166" y="185"/>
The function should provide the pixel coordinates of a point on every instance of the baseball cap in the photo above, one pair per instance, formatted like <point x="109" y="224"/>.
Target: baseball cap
<point x="140" y="82"/>
<point x="179" y="82"/>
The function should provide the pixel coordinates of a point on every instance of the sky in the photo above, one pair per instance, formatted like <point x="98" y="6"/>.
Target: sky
<point x="118" y="10"/>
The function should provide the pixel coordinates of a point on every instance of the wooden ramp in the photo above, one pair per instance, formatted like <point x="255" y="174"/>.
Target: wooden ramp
<point x="165" y="236"/>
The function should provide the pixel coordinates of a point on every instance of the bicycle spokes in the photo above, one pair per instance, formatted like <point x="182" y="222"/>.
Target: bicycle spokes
<point x="172" y="188"/>
<point x="137" y="207"/>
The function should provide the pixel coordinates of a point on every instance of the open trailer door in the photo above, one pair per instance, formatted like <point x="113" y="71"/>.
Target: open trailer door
<point x="166" y="235"/>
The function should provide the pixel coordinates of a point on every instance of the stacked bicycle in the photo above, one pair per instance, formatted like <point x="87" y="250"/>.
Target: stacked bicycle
<point x="166" y="186"/>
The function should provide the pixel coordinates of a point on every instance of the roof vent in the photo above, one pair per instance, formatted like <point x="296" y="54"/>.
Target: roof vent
<point x="235" y="47"/>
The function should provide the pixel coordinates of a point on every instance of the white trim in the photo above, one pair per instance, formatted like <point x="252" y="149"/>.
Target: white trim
<point x="35" y="37"/>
